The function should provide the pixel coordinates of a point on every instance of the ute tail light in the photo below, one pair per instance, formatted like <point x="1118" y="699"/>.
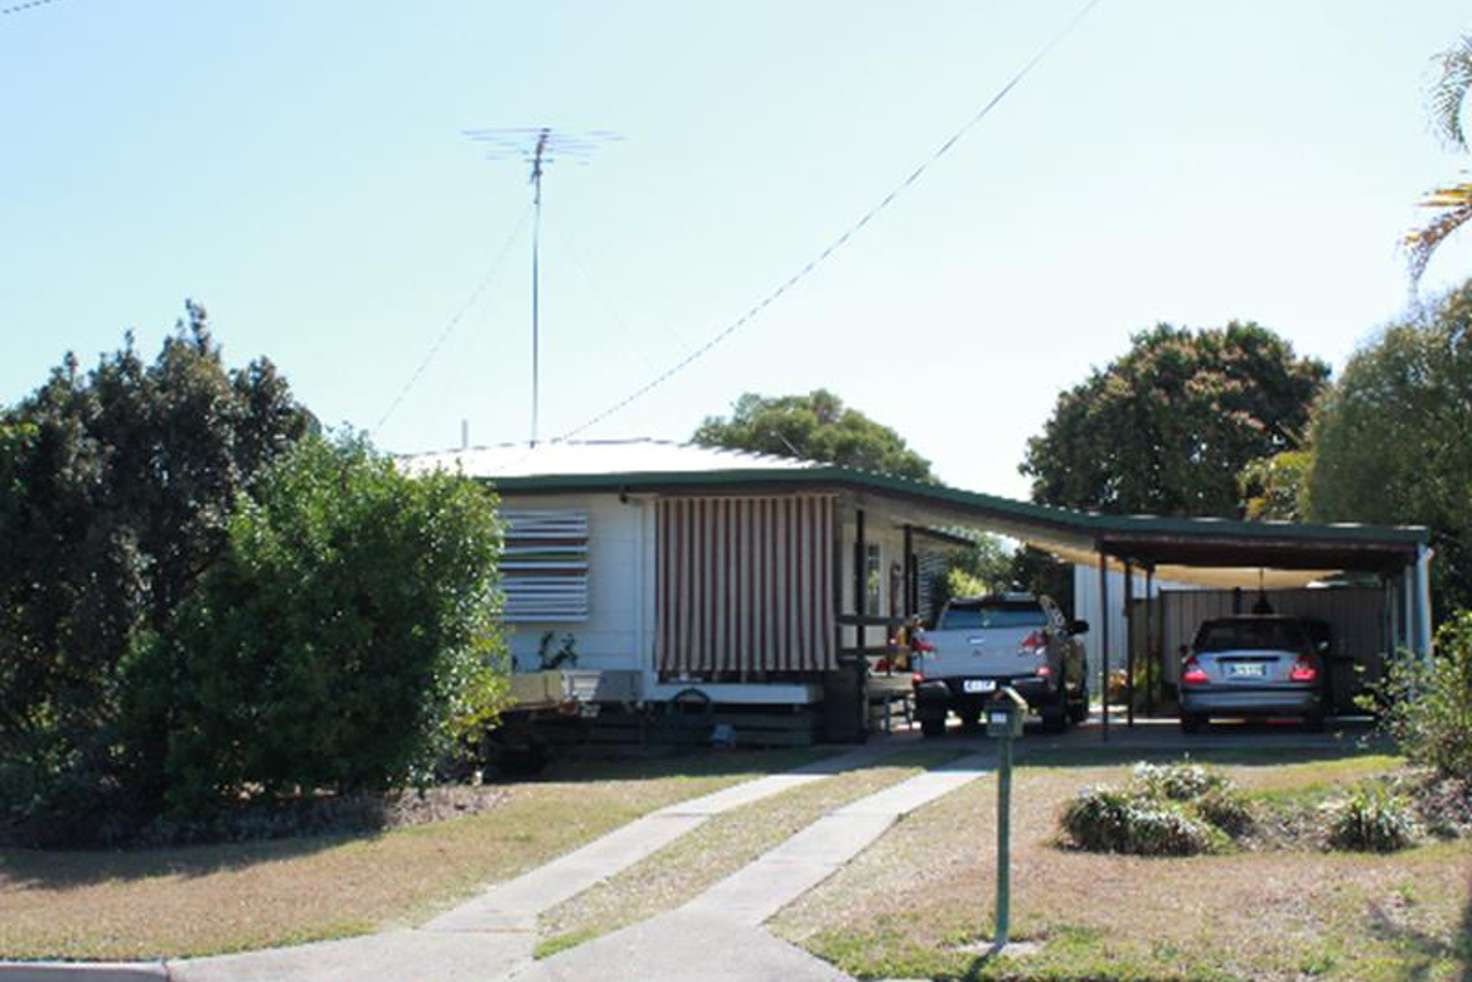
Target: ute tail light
<point x="1033" y="643"/>
<point x="1193" y="674"/>
<point x="1302" y="671"/>
<point x="921" y="645"/>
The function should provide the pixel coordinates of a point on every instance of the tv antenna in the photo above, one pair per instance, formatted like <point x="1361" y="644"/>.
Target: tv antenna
<point x="539" y="146"/>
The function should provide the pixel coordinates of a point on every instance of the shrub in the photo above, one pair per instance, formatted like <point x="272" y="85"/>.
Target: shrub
<point x="1427" y="705"/>
<point x="1103" y="819"/>
<point x="1225" y="809"/>
<point x="1371" y="819"/>
<point x="1165" y="810"/>
<point x="1176" y="782"/>
<point x="344" y="641"/>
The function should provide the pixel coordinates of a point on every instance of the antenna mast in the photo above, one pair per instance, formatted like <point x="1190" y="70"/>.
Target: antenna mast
<point x="539" y="146"/>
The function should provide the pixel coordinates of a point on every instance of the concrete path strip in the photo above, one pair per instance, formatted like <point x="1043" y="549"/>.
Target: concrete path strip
<point x="392" y="955"/>
<point x="681" y="945"/>
<point x="754" y="893"/>
<point x="718" y="935"/>
<point x="515" y="904"/>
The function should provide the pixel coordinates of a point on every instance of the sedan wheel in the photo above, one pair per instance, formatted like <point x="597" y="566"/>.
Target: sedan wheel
<point x="1192" y="723"/>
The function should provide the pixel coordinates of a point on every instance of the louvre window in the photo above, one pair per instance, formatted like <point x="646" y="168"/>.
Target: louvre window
<point x="544" y="565"/>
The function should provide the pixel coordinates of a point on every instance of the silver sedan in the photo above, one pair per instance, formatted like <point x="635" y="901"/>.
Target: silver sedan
<point x="1252" y="665"/>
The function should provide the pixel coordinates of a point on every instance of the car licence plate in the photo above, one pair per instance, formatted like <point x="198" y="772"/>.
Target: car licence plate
<point x="979" y="685"/>
<point x="1247" y="669"/>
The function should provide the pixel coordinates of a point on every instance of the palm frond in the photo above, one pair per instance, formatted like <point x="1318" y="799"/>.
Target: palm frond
<point x="1449" y="92"/>
<point x="1455" y="204"/>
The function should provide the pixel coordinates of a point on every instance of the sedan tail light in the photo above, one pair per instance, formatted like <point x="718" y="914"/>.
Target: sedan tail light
<point x="917" y="678"/>
<point x="1193" y="674"/>
<point x="1302" y="671"/>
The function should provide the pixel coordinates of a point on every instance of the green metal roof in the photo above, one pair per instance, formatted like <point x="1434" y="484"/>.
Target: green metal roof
<point x="1106" y="529"/>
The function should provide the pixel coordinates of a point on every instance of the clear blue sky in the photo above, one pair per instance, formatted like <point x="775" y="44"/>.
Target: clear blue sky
<point x="298" y="168"/>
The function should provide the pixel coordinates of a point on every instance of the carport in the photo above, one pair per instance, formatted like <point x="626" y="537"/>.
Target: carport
<point x="1205" y="552"/>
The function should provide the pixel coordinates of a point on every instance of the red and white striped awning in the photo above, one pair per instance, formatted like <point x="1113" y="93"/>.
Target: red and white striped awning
<point x="745" y="584"/>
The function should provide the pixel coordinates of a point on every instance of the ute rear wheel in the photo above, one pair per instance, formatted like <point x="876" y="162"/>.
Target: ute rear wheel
<point x="1079" y="710"/>
<point x="931" y="728"/>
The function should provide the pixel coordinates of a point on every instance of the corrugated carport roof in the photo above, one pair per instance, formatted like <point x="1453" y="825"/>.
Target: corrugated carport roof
<point x="1214" y="547"/>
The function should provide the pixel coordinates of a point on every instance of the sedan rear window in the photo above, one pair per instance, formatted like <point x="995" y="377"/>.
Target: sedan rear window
<point x="969" y="617"/>
<point x="1251" y="636"/>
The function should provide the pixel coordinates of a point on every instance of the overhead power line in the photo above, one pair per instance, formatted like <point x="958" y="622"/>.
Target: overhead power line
<point x="17" y="8"/>
<point x="454" y="321"/>
<point x="868" y="216"/>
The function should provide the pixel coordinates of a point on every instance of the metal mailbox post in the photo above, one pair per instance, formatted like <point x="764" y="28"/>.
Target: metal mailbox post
<point x="1004" y="716"/>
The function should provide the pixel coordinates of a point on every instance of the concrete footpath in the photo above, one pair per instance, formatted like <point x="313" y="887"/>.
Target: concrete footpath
<point x="718" y="935"/>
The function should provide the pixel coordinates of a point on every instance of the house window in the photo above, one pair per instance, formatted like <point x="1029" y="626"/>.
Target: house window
<point x="544" y="565"/>
<point x="871" y="578"/>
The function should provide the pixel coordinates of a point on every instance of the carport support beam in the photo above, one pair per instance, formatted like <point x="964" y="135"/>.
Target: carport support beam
<point x="1104" y="640"/>
<point x="1150" y="640"/>
<point x="1408" y="610"/>
<point x="1129" y="642"/>
<point x="912" y="591"/>
<point x="1423" y="602"/>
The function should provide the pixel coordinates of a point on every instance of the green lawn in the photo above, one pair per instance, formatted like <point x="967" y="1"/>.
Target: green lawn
<point x="919" y="903"/>
<point x="208" y="899"/>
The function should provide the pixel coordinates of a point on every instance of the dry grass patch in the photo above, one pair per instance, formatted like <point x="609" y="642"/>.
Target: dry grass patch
<point x="907" y="905"/>
<point x="685" y="868"/>
<point x="207" y="899"/>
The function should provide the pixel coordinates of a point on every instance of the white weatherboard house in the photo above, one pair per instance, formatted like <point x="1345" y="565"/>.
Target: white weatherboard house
<point x="767" y="580"/>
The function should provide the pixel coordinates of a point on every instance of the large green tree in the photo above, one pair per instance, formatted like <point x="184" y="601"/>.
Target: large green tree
<point x="816" y="426"/>
<point x="115" y="489"/>
<point x="1391" y="441"/>
<point x="1166" y="428"/>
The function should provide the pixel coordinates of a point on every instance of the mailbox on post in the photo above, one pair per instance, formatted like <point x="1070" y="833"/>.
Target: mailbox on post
<point x="1004" y="717"/>
<point x="1005" y="713"/>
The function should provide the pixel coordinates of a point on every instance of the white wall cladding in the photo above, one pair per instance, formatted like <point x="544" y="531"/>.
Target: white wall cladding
<point x="607" y="636"/>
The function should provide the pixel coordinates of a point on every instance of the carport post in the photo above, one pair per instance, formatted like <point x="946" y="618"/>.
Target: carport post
<point x="912" y="591"/>
<point x="1104" y="639"/>
<point x="1423" y="600"/>
<point x="1408" y="611"/>
<point x="1150" y="641"/>
<point x="1129" y="641"/>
